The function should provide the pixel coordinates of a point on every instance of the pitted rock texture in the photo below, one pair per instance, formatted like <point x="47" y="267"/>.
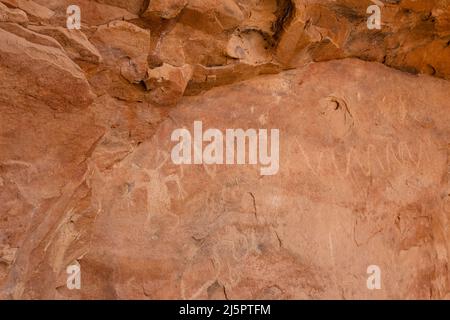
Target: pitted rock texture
<point x="86" y="174"/>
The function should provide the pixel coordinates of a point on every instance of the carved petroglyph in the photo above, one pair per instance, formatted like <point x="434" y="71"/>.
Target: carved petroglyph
<point x="155" y="184"/>
<point x="226" y="254"/>
<point x="372" y="158"/>
<point x="335" y="110"/>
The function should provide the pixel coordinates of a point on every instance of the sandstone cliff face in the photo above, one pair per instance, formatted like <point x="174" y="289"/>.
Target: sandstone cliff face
<point x="87" y="177"/>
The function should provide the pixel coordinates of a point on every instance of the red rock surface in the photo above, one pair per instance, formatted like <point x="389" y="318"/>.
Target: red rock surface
<point x="86" y="174"/>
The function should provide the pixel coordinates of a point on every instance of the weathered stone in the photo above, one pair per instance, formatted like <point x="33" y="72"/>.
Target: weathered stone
<point x="360" y="166"/>
<point x="121" y="38"/>
<point x="249" y="47"/>
<point x="32" y="73"/>
<point x="75" y="43"/>
<point x="167" y="83"/>
<point x="30" y="35"/>
<point x="12" y="15"/>
<point x="212" y="15"/>
<point x="89" y="175"/>
<point x="134" y="6"/>
<point x="31" y="8"/>
<point x="124" y="48"/>
<point x="167" y="9"/>
<point x="44" y="101"/>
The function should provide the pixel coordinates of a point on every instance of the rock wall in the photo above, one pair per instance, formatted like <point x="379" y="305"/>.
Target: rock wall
<point x="87" y="170"/>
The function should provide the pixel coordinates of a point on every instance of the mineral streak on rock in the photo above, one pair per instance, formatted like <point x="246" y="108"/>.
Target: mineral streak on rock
<point x="86" y="171"/>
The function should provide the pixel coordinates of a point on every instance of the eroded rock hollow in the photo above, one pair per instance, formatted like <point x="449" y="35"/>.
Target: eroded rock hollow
<point x="344" y="169"/>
